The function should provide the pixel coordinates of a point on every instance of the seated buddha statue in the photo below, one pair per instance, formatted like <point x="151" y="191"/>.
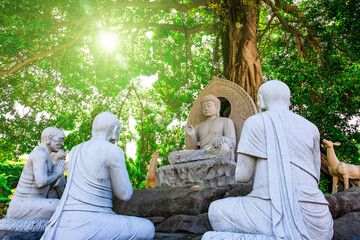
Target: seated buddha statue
<point x="213" y="138"/>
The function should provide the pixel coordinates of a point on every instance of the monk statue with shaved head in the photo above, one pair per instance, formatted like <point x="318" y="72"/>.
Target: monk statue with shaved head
<point x="280" y="150"/>
<point x="96" y="173"/>
<point x="30" y="209"/>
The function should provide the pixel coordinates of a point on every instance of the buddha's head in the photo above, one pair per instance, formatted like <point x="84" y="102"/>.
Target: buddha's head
<point x="273" y="95"/>
<point x="107" y="125"/>
<point x="210" y="106"/>
<point x="53" y="138"/>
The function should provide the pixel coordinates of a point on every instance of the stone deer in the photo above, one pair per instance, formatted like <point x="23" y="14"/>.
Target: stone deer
<point x="151" y="175"/>
<point x="339" y="169"/>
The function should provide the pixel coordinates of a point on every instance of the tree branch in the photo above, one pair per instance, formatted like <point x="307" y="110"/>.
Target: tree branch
<point x="346" y="53"/>
<point x="123" y="102"/>
<point x="46" y="53"/>
<point x="179" y="28"/>
<point x="164" y="72"/>
<point x="104" y="10"/>
<point x="294" y="11"/>
<point x="162" y="5"/>
<point x="266" y="28"/>
<point x="297" y="34"/>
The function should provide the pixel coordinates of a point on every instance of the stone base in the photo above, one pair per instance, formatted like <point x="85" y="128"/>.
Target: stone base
<point x="344" y="202"/>
<point x="176" y="236"/>
<point x="185" y="223"/>
<point x="347" y="227"/>
<point x="235" y="236"/>
<point x="177" y="210"/>
<point x="11" y="235"/>
<point x="210" y="172"/>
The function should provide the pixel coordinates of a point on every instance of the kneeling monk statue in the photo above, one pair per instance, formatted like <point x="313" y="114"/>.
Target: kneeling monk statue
<point x="213" y="138"/>
<point x="96" y="171"/>
<point x="282" y="151"/>
<point x="29" y="209"/>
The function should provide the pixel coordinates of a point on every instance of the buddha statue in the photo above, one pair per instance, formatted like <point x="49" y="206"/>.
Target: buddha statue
<point x="213" y="138"/>
<point x="213" y="128"/>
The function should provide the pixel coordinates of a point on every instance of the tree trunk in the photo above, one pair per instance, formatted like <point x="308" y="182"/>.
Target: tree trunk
<point x="243" y="66"/>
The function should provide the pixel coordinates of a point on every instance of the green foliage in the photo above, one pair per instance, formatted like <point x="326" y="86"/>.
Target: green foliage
<point x="78" y="77"/>
<point x="4" y="189"/>
<point x="12" y="171"/>
<point x="324" y="92"/>
<point x="7" y="150"/>
<point x="9" y="178"/>
<point x="137" y="177"/>
<point x="325" y="184"/>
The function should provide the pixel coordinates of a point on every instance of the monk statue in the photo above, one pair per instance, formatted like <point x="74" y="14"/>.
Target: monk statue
<point x="213" y="138"/>
<point x="280" y="150"/>
<point x="29" y="209"/>
<point x="97" y="171"/>
<point x="57" y="188"/>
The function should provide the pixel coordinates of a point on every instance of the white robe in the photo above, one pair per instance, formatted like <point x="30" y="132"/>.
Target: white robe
<point x="207" y="132"/>
<point x="85" y="209"/>
<point x="29" y="201"/>
<point x="285" y="201"/>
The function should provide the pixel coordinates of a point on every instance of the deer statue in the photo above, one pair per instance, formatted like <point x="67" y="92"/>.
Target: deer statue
<point x="151" y="175"/>
<point x="340" y="169"/>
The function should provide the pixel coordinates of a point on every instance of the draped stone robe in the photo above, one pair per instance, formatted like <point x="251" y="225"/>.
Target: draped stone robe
<point x="85" y="209"/>
<point x="285" y="202"/>
<point x="29" y="201"/>
<point x="207" y="132"/>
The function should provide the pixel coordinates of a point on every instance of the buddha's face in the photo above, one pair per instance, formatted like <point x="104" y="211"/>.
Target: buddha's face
<point x="209" y="109"/>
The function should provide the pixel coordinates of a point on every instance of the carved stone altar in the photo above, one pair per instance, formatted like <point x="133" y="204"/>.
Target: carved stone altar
<point x="211" y="172"/>
<point x="236" y="105"/>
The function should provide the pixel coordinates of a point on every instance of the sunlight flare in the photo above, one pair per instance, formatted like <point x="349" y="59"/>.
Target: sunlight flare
<point x="108" y="40"/>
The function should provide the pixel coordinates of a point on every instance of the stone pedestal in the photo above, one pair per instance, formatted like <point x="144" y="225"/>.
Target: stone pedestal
<point x="210" y="173"/>
<point x="176" y="209"/>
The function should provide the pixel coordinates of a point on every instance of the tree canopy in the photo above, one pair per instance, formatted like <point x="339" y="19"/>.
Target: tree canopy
<point x="63" y="62"/>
